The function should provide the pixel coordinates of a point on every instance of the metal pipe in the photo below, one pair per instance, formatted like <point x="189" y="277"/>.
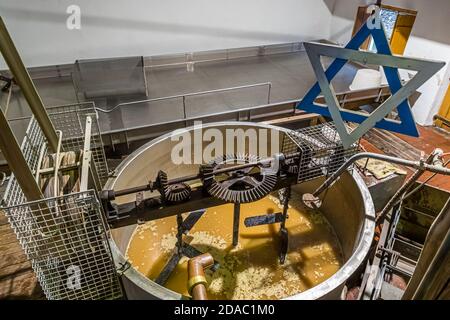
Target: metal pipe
<point x="420" y="165"/>
<point x="444" y="121"/>
<point x="132" y="190"/>
<point x="405" y="187"/>
<point x="224" y="55"/>
<point x="87" y="155"/>
<point x="196" y="275"/>
<point x="150" y="185"/>
<point x="23" y="80"/>
<point x="382" y="232"/>
<point x="57" y="163"/>
<point x="408" y="163"/>
<point x="410" y="193"/>
<point x="183" y="96"/>
<point x="39" y="162"/>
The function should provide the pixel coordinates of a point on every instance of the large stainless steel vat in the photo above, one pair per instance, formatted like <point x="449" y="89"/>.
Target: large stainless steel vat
<point x="347" y="205"/>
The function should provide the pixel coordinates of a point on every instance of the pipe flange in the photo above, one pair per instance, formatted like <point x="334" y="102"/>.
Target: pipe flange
<point x="192" y="282"/>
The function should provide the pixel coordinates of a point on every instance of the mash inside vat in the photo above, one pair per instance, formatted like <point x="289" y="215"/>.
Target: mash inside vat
<point x="252" y="269"/>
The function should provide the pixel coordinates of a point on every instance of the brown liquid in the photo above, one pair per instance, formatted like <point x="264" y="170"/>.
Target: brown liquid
<point x="252" y="269"/>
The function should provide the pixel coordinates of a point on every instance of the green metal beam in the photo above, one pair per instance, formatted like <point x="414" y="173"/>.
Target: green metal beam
<point x="16" y="161"/>
<point x="23" y="80"/>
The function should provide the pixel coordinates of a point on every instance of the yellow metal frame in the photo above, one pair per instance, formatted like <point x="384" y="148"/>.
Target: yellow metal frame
<point x="444" y="111"/>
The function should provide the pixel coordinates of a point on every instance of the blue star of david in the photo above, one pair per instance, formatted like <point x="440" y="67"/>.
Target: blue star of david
<point x="390" y="64"/>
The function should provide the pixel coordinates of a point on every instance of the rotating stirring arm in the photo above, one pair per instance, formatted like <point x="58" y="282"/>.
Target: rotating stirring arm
<point x="199" y="197"/>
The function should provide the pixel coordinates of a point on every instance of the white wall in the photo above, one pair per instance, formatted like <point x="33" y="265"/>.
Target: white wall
<point x="430" y="39"/>
<point x="148" y="27"/>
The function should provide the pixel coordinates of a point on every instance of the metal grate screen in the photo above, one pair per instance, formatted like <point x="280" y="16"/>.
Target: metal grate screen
<point x="97" y="78"/>
<point x="65" y="237"/>
<point x="71" y="120"/>
<point x="66" y="241"/>
<point x="322" y="152"/>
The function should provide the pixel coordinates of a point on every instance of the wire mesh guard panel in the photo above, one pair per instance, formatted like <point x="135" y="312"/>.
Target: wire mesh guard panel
<point x="96" y="78"/>
<point x="71" y="120"/>
<point x="66" y="241"/>
<point x="31" y="144"/>
<point x="321" y="150"/>
<point x="64" y="236"/>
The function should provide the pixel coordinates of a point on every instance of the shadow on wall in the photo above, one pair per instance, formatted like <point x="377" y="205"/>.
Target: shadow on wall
<point x="330" y="5"/>
<point x="154" y="26"/>
<point x="432" y="21"/>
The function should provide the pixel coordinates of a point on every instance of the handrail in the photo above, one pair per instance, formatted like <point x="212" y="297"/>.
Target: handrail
<point x="269" y="84"/>
<point x="198" y="117"/>
<point x="418" y="165"/>
<point x="229" y="111"/>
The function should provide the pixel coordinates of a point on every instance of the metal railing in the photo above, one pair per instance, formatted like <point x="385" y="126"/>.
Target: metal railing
<point x="190" y="58"/>
<point x="184" y="96"/>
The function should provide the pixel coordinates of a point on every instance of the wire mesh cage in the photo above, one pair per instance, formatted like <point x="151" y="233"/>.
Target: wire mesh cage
<point x="321" y="150"/>
<point x="97" y="78"/>
<point x="65" y="237"/>
<point x="66" y="241"/>
<point x="70" y="120"/>
<point x="32" y="142"/>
